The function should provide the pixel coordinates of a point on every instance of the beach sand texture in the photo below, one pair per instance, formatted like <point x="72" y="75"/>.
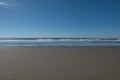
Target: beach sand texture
<point x="60" y="63"/>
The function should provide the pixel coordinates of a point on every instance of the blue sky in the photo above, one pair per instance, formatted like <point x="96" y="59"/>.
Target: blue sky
<point x="60" y="18"/>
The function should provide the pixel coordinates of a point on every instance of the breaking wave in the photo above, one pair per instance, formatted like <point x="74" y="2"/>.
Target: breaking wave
<point x="59" y="42"/>
<point x="55" y="39"/>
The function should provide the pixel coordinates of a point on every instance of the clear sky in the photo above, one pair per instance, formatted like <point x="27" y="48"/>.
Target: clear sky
<point x="60" y="18"/>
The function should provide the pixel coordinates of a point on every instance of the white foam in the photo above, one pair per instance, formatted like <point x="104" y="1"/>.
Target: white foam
<point x="50" y="40"/>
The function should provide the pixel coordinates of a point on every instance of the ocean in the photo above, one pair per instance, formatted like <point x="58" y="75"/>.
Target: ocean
<point x="37" y="42"/>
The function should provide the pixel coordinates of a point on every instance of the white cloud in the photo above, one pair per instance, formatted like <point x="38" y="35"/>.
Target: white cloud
<point x="5" y="4"/>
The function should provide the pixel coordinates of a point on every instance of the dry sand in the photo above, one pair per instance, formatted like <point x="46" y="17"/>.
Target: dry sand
<point x="60" y="63"/>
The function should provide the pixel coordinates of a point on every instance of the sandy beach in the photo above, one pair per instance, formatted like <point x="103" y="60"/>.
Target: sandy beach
<point x="59" y="63"/>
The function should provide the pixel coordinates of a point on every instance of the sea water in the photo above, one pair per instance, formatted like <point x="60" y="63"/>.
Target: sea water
<point x="37" y="42"/>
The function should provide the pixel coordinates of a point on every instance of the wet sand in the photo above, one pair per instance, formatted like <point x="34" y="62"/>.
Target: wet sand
<point x="60" y="63"/>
